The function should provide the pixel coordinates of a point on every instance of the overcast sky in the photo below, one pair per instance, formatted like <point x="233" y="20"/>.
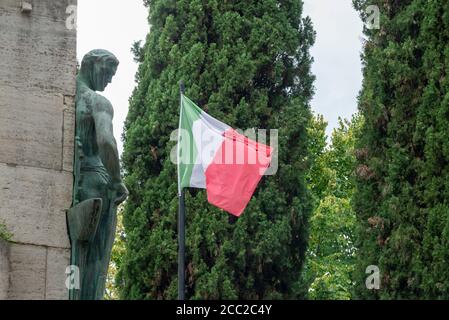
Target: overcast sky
<point x="337" y="65"/>
<point x="115" y="24"/>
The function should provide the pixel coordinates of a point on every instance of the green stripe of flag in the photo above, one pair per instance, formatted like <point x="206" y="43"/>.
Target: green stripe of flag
<point x="187" y="151"/>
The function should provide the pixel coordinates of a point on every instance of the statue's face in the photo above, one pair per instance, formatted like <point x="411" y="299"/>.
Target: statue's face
<point x="103" y="73"/>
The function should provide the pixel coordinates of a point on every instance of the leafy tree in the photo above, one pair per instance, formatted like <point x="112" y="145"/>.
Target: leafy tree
<point x="118" y="251"/>
<point x="331" y="254"/>
<point x="319" y="175"/>
<point x="403" y="160"/>
<point x="246" y="63"/>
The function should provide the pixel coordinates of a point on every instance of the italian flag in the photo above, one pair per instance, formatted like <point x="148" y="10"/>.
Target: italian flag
<point x="215" y="157"/>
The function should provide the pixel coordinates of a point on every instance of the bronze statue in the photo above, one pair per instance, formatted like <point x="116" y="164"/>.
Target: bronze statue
<point x="98" y="188"/>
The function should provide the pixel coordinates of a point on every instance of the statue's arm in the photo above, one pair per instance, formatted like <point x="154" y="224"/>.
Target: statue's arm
<point x="107" y="145"/>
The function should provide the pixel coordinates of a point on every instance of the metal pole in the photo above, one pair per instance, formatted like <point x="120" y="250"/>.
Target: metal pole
<point x="181" y="249"/>
<point x="181" y="236"/>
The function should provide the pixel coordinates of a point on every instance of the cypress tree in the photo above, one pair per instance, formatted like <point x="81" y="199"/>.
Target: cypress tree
<point x="403" y="152"/>
<point x="247" y="63"/>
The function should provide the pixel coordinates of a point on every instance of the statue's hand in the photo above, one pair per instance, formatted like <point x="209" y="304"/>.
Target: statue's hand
<point x="121" y="193"/>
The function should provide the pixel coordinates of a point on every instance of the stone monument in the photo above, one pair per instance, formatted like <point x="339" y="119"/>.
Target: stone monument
<point x="37" y="129"/>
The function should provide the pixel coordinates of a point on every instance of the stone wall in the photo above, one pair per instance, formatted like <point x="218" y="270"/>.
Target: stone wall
<point x="37" y="88"/>
<point x="4" y="269"/>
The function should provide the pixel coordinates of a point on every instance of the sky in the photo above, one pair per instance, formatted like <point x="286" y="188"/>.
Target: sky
<point x="337" y="66"/>
<point x="115" y="25"/>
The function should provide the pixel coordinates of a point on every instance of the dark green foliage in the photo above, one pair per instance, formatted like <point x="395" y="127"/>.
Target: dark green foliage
<point x="246" y="63"/>
<point x="402" y="191"/>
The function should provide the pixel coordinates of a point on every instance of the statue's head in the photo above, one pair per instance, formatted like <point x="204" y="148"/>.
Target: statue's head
<point x="98" y="67"/>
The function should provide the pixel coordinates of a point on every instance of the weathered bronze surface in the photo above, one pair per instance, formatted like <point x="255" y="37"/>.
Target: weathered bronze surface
<point x="98" y="188"/>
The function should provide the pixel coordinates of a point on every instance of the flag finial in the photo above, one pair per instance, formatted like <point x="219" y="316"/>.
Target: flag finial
<point x="182" y="87"/>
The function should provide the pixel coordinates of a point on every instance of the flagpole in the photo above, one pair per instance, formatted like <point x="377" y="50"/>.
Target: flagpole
<point x="181" y="229"/>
